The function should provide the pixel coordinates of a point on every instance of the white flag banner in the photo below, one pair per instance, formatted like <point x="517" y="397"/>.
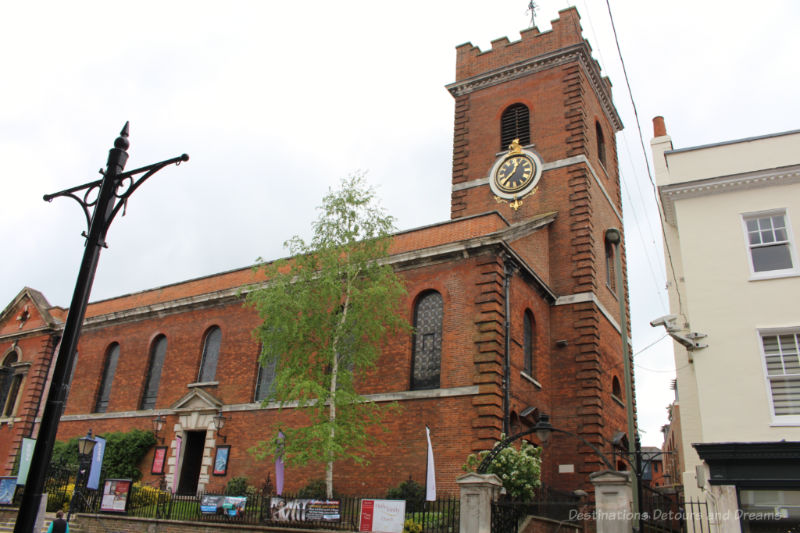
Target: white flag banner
<point x="430" y="480"/>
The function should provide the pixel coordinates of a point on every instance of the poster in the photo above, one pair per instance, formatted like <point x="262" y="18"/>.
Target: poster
<point x="115" y="495"/>
<point x="304" y="510"/>
<point x="221" y="460"/>
<point x="8" y="485"/>
<point x="218" y="504"/>
<point x="25" y="460"/>
<point x="383" y="516"/>
<point x="159" y="458"/>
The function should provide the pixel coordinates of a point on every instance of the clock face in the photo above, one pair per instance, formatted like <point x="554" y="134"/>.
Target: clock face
<point x="515" y="175"/>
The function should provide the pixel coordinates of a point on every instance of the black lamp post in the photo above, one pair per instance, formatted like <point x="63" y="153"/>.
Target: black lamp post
<point x="105" y="198"/>
<point x="85" y="449"/>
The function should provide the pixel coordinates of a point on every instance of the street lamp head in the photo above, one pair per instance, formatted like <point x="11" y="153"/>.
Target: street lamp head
<point x="158" y="425"/>
<point x="219" y="423"/>
<point x="86" y="444"/>
<point x="543" y="428"/>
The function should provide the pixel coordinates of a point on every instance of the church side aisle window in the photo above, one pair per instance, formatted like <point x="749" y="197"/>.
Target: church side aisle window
<point x="515" y="124"/>
<point x="10" y="384"/>
<point x="265" y="380"/>
<point x="208" y="366"/>
<point x="158" y="352"/>
<point x="110" y="368"/>
<point x="427" y="356"/>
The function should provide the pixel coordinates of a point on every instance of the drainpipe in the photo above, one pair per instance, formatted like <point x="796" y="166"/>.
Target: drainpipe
<point x="614" y="236"/>
<point x="508" y="271"/>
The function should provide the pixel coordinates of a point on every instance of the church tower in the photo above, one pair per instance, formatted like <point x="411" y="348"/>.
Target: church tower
<point x="547" y="92"/>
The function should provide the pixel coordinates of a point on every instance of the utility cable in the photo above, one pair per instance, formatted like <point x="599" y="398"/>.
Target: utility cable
<point x="647" y="163"/>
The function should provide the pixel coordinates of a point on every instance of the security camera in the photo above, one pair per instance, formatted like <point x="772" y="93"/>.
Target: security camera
<point x="668" y="321"/>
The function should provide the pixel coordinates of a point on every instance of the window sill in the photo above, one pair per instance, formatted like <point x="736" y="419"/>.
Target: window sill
<point x="785" y="421"/>
<point x="774" y="274"/>
<point x="531" y="379"/>
<point x="201" y="384"/>
<point x="618" y="400"/>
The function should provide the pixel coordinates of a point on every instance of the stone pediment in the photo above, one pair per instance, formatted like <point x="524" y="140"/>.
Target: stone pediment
<point x="28" y="312"/>
<point x="198" y="400"/>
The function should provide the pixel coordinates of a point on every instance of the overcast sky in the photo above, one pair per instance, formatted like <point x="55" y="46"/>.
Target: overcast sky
<point x="275" y="101"/>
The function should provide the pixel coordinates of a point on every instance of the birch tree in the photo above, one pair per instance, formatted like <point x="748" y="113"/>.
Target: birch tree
<point x="326" y="312"/>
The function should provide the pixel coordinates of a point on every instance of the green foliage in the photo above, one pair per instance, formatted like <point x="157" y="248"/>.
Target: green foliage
<point x="65" y="453"/>
<point x="410" y="491"/>
<point x="326" y="313"/>
<point x="412" y="526"/>
<point x="237" y="486"/>
<point x="143" y="496"/>
<point x="124" y="452"/>
<point x="518" y="469"/>
<point x="315" y="489"/>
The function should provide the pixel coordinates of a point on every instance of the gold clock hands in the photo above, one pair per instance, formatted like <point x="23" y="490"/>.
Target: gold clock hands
<point x="505" y="179"/>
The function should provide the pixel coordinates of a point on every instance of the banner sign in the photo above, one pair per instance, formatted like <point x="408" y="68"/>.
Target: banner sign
<point x="382" y="516"/>
<point x="223" y="505"/>
<point x="302" y="510"/>
<point x="26" y="454"/>
<point x="97" y="463"/>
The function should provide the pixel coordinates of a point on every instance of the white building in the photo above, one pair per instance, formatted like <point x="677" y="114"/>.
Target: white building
<point x="731" y="219"/>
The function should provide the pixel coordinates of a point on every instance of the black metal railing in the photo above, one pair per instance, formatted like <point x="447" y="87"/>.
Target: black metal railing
<point x="549" y="503"/>
<point x="671" y="513"/>
<point x="144" y="501"/>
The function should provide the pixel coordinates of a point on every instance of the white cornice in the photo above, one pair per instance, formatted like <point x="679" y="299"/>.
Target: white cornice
<point x="723" y="184"/>
<point x="589" y="297"/>
<point x="577" y="52"/>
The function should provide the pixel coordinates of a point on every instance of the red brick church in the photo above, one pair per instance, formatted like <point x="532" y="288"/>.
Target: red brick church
<point x="518" y="287"/>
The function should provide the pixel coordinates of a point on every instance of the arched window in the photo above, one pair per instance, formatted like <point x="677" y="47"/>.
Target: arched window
<point x="158" y="352"/>
<point x="10" y="384"/>
<point x="104" y="394"/>
<point x="616" y="390"/>
<point x="515" y="124"/>
<point x="601" y="143"/>
<point x="208" y="366"/>
<point x="529" y="342"/>
<point x="265" y="379"/>
<point x="611" y="273"/>
<point x="427" y="357"/>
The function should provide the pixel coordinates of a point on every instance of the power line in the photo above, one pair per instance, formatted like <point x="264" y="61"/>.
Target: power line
<point x="647" y="163"/>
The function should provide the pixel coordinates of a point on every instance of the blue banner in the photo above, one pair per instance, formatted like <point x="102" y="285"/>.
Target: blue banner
<point x="26" y="454"/>
<point x="97" y="463"/>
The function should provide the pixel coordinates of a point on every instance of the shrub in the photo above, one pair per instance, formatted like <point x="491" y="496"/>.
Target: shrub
<point x="124" y="452"/>
<point x="410" y="491"/>
<point x="314" y="490"/>
<point x="411" y="526"/>
<point x="518" y="470"/>
<point x="237" y="486"/>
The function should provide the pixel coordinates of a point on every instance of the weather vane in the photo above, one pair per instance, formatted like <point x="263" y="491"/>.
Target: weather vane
<point x="532" y="7"/>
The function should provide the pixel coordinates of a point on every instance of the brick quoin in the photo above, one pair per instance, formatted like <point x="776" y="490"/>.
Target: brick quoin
<point x="553" y="244"/>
